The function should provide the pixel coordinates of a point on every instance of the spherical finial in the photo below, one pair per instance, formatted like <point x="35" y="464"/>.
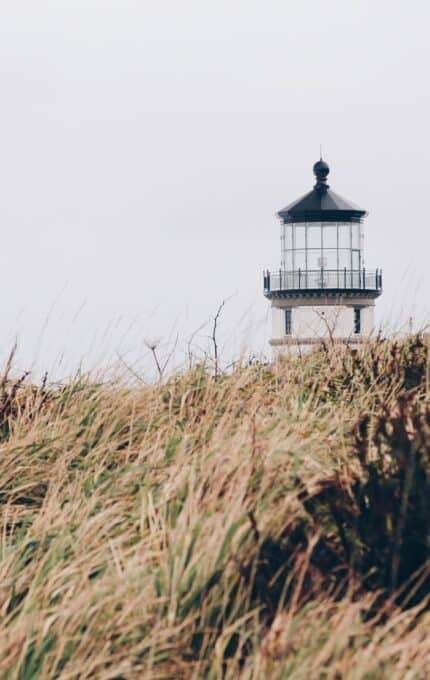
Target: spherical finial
<point x="321" y="171"/>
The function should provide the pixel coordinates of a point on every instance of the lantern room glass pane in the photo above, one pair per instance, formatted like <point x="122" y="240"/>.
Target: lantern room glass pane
<point x="344" y="259"/>
<point x="356" y="259"/>
<point x="330" y="236"/>
<point x="314" y="259"/>
<point x="300" y="236"/>
<point x="355" y="236"/>
<point x="314" y="236"/>
<point x="300" y="259"/>
<point x="288" y="236"/>
<point x="289" y="261"/>
<point x="329" y="259"/>
<point x="344" y="235"/>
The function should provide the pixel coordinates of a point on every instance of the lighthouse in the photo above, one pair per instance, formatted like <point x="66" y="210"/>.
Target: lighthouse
<point x="323" y="290"/>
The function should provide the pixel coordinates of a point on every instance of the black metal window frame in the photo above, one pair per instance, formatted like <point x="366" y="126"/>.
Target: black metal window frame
<point x="357" y="320"/>
<point x="288" y="321"/>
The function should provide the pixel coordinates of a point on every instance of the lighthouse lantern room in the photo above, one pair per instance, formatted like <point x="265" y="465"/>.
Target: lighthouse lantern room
<point x="323" y="289"/>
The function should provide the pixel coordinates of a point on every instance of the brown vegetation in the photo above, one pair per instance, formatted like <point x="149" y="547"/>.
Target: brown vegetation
<point x="271" y="523"/>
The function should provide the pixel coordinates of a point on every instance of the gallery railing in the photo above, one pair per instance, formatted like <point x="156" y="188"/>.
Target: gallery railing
<point x="320" y="279"/>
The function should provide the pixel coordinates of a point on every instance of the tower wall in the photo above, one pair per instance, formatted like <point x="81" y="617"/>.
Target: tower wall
<point x="314" y="321"/>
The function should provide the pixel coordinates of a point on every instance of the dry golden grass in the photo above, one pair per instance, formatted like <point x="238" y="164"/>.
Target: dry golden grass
<point x="181" y="530"/>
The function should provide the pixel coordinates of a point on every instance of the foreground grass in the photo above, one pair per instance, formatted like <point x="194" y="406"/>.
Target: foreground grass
<point x="272" y="523"/>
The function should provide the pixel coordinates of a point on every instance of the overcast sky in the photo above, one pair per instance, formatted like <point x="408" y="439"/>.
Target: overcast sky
<point x="146" y="146"/>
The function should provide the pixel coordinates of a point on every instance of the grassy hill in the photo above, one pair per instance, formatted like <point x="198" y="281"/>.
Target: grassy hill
<point x="271" y="523"/>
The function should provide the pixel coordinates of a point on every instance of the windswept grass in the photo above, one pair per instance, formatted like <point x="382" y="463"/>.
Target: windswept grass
<point x="272" y="523"/>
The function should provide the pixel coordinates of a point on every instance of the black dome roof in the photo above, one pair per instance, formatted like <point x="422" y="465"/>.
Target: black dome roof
<point x="321" y="204"/>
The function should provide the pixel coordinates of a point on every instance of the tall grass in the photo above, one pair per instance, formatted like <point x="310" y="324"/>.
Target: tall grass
<point x="271" y="523"/>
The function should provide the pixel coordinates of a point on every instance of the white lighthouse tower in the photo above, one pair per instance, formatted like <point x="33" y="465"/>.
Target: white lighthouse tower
<point x="323" y="290"/>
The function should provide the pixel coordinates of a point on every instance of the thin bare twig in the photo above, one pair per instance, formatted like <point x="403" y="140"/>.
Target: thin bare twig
<point x="170" y="354"/>
<point x="214" y="338"/>
<point x="189" y="344"/>
<point x="130" y="369"/>
<point x="157" y="363"/>
<point x="152" y="346"/>
<point x="331" y="327"/>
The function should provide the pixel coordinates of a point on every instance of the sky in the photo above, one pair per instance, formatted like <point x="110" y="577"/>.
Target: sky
<point x="145" y="148"/>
